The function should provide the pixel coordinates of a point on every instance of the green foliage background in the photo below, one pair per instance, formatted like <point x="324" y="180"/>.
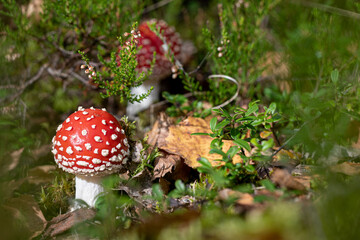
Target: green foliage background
<point x="318" y="42"/>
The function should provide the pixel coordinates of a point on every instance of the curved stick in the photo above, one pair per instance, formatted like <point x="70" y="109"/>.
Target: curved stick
<point x="233" y="97"/>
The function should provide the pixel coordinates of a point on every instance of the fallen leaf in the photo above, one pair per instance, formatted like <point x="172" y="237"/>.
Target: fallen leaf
<point x="164" y="165"/>
<point x="41" y="174"/>
<point x="41" y="151"/>
<point x="284" y="179"/>
<point x="177" y="140"/>
<point x="66" y="221"/>
<point x="347" y="168"/>
<point x="27" y="212"/>
<point x="241" y="198"/>
<point x="15" y="158"/>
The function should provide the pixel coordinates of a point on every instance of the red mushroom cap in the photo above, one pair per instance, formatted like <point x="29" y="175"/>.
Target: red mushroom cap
<point x="150" y="43"/>
<point x="90" y="142"/>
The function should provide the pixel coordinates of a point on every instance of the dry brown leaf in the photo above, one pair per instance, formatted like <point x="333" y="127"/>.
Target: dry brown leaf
<point x="27" y="212"/>
<point x="347" y="168"/>
<point x="177" y="140"/>
<point x="284" y="179"/>
<point x="242" y="198"/>
<point x="64" y="222"/>
<point x="42" y="151"/>
<point x="164" y="165"/>
<point x="15" y="158"/>
<point x="41" y="174"/>
<point x="304" y="180"/>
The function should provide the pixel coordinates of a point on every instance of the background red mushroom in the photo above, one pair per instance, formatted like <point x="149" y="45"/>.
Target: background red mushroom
<point x="169" y="43"/>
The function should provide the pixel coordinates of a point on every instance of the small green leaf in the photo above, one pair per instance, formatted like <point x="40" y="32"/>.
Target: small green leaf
<point x="268" y="185"/>
<point x="243" y="144"/>
<point x="194" y="134"/>
<point x="335" y="76"/>
<point x="203" y="161"/>
<point x="157" y="192"/>
<point x="250" y="168"/>
<point x="218" y="151"/>
<point x="180" y="186"/>
<point x="222" y="124"/>
<point x="213" y="122"/>
<point x="232" y="151"/>
<point x="267" y="144"/>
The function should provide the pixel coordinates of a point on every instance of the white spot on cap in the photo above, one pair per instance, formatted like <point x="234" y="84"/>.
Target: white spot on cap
<point x="122" y="131"/>
<point x="54" y="151"/>
<point x="67" y="120"/>
<point x="59" y="127"/>
<point x="114" y="136"/>
<point x="93" y="126"/>
<point x="125" y="141"/>
<point x="88" y="146"/>
<point x="97" y="139"/>
<point x="86" y="157"/>
<point x="65" y="163"/>
<point x="83" y="132"/>
<point x="105" y="152"/>
<point x="78" y="148"/>
<point x="58" y="143"/>
<point x="113" y="158"/>
<point x="102" y="168"/>
<point x="111" y="121"/>
<point x="92" y="108"/>
<point x="78" y="156"/>
<point x="125" y="160"/>
<point x="60" y="157"/>
<point x="103" y="122"/>
<point x="107" y="143"/>
<point x="85" y="113"/>
<point x="61" y="149"/>
<point x="118" y="146"/>
<point x="111" y="127"/>
<point x="80" y="108"/>
<point x="91" y="166"/>
<point x="76" y="118"/>
<point x="82" y="163"/>
<point x="113" y="150"/>
<point x="104" y="109"/>
<point x="64" y="138"/>
<point x="89" y="118"/>
<point x="68" y="129"/>
<point x="96" y="151"/>
<point x="96" y="161"/>
<point x="103" y="131"/>
<point x="69" y="150"/>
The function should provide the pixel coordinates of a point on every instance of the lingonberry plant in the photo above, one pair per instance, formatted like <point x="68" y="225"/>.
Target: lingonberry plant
<point x="245" y="128"/>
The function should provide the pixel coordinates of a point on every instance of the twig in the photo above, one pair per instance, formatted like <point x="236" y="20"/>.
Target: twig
<point x="25" y="85"/>
<point x="156" y="6"/>
<point x="233" y="97"/>
<point x="330" y="9"/>
<point x="81" y="79"/>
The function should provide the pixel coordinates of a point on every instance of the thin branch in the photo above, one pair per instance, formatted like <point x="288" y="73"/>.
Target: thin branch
<point x="156" y="6"/>
<point x="25" y="85"/>
<point x="234" y="96"/>
<point x="330" y="9"/>
<point x="81" y="79"/>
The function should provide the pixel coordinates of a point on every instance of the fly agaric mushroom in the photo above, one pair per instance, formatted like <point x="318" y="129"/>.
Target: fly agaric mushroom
<point x="90" y="143"/>
<point x="150" y="42"/>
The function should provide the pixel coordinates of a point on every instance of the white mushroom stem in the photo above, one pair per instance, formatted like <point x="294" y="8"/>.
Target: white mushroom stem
<point x="88" y="189"/>
<point x="133" y="109"/>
